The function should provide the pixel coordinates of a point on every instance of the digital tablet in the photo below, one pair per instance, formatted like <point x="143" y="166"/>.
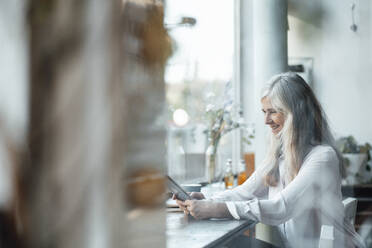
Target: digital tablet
<point x="177" y="190"/>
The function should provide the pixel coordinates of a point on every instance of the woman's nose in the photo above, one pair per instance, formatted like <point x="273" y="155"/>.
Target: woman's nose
<point x="268" y="119"/>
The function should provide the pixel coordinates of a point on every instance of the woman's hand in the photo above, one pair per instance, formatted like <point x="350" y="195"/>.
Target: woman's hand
<point x="197" y="196"/>
<point x="204" y="209"/>
<point x="193" y="195"/>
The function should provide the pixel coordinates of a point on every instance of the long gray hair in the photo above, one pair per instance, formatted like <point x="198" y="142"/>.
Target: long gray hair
<point x="305" y="125"/>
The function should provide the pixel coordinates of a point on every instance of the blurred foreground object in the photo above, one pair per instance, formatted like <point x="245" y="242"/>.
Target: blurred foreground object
<point x="72" y="189"/>
<point x="146" y="188"/>
<point x="147" y="46"/>
<point x="96" y="93"/>
<point x="10" y="228"/>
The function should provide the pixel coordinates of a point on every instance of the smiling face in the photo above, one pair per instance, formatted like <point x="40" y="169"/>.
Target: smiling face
<point x="273" y="118"/>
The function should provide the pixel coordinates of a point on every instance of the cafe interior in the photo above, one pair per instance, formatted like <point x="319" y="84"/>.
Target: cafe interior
<point x="110" y="109"/>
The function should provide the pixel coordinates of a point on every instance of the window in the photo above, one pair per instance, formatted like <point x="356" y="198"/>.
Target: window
<point x="196" y="75"/>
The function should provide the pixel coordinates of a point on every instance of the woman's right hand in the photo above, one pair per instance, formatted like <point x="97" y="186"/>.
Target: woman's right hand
<point x="193" y="195"/>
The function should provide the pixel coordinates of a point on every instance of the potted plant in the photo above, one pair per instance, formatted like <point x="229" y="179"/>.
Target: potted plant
<point x="221" y="120"/>
<point x="355" y="157"/>
<point x="221" y="117"/>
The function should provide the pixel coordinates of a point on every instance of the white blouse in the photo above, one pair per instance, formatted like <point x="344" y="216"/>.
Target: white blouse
<point x="298" y="208"/>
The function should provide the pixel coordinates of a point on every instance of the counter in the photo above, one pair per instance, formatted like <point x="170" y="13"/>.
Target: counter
<point x="184" y="231"/>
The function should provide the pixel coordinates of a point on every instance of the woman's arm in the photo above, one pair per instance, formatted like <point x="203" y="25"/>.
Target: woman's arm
<point x="319" y="171"/>
<point x="253" y="187"/>
<point x="216" y="206"/>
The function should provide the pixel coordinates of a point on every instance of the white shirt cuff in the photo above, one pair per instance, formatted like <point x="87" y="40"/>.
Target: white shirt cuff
<point x="232" y="209"/>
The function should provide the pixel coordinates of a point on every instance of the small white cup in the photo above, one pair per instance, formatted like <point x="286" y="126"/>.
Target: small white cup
<point x="191" y="187"/>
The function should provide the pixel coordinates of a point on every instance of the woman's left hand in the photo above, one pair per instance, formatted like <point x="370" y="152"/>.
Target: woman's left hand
<point x="204" y="209"/>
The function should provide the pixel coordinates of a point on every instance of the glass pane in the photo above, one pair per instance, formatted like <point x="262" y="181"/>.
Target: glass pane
<point x="196" y="75"/>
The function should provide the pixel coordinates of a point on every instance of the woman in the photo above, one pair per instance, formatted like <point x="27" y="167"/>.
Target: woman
<point x="298" y="186"/>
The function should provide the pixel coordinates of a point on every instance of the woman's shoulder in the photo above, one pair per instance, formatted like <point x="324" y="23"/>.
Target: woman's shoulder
<point x="322" y="152"/>
<point x="323" y="159"/>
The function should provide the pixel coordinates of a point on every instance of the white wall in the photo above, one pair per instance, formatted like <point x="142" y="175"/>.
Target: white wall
<point x="342" y="59"/>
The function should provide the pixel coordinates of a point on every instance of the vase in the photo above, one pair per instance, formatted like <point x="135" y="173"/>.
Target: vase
<point x="210" y="163"/>
<point x="354" y="167"/>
